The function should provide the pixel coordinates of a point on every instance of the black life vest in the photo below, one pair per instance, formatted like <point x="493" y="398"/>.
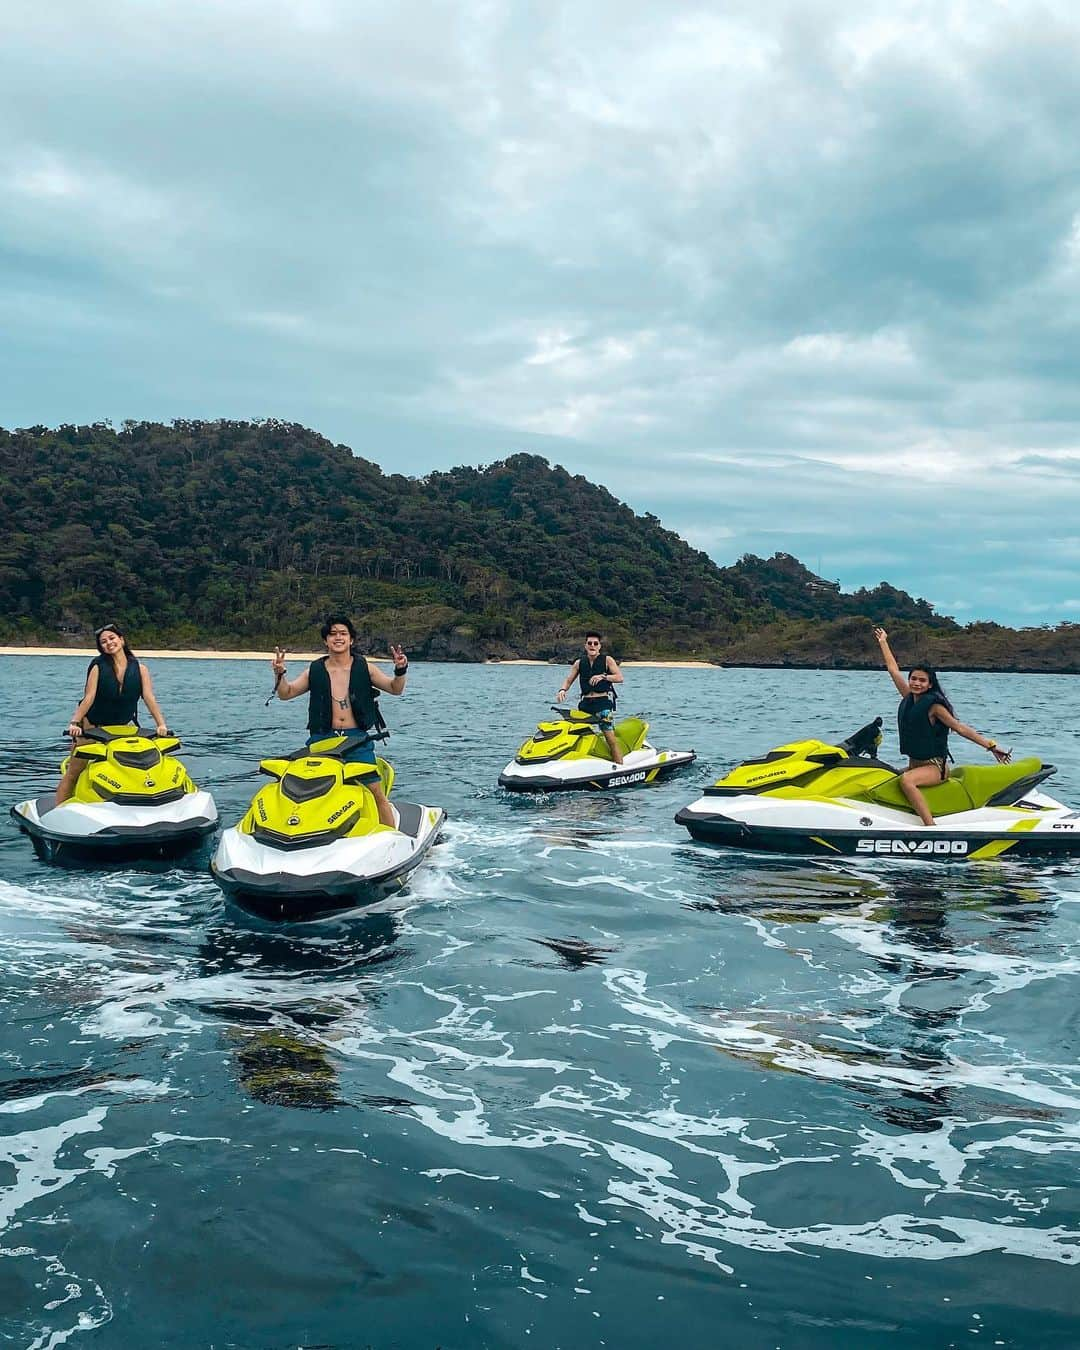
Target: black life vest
<point x="586" y="670"/>
<point x="116" y="701"/>
<point x="919" y="737"/>
<point x="362" y="697"/>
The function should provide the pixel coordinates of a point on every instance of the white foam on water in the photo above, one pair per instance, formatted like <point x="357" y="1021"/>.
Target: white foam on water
<point x="439" y="1173"/>
<point x="686" y="1220"/>
<point x="603" y="846"/>
<point x="1009" y="971"/>
<point x="135" y="1087"/>
<point x="601" y="879"/>
<point x="90" y="1308"/>
<point x="748" y="1036"/>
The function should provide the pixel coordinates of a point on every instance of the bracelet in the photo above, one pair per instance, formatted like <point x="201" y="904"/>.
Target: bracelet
<point x="401" y="671"/>
<point x="991" y="745"/>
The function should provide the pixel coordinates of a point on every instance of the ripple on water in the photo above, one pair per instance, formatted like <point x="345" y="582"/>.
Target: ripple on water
<point x="580" y="1066"/>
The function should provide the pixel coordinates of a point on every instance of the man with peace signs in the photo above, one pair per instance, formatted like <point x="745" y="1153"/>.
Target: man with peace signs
<point x="341" y="688"/>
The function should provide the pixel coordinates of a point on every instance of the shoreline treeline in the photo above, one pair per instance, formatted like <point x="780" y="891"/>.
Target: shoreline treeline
<point x="237" y="534"/>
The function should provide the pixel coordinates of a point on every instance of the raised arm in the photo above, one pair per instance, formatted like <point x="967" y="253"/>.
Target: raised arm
<point x="890" y="662"/>
<point x="286" y="688"/>
<point x="152" y="706"/>
<point x="85" y="703"/>
<point x="396" y="683"/>
<point x="568" y="681"/>
<point x="939" y="713"/>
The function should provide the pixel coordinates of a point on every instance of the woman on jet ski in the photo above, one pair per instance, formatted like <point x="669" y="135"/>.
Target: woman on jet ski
<point x="115" y="681"/>
<point x="925" y="718"/>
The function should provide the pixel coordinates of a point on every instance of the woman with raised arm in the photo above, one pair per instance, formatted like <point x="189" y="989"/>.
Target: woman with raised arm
<point x="925" y="718"/>
<point x="115" y="681"/>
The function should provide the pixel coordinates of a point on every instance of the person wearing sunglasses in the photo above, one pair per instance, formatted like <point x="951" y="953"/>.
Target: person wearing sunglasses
<point x="115" y="682"/>
<point x="597" y="673"/>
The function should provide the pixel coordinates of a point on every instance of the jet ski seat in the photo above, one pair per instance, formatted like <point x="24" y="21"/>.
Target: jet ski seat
<point x="968" y="786"/>
<point x="630" y="733"/>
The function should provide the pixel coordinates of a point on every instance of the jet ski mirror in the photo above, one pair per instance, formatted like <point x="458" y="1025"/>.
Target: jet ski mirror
<point x="865" y="741"/>
<point x="90" y="751"/>
<point x="359" y="773"/>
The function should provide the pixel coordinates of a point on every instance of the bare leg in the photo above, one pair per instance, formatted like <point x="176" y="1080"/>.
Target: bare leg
<point x="386" y="811"/>
<point x="924" y="776"/>
<point x="70" y="777"/>
<point x="614" y="746"/>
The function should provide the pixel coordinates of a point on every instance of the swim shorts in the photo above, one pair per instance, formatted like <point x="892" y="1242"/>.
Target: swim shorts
<point x="602" y="710"/>
<point x="356" y="754"/>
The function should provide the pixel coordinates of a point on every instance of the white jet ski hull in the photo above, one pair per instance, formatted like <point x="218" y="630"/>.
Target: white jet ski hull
<point x="640" y="767"/>
<point x="1040" y="826"/>
<point x="305" y="883"/>
<point x="107" y="828"/>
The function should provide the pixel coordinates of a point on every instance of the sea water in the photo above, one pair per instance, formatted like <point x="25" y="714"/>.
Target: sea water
<point x="587" y="1084"/>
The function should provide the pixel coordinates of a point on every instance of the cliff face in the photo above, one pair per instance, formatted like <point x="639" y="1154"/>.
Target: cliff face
<point x="242" y="534"/>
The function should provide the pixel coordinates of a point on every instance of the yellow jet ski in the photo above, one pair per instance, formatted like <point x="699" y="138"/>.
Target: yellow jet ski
<point x="133" y="798"/>
<point x="571" y="752"/>
<point x="811" y="797"/>
<point x="311" y="842"/>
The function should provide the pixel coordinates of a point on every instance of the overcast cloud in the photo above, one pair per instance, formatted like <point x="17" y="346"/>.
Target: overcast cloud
<point x="799" y="276"/>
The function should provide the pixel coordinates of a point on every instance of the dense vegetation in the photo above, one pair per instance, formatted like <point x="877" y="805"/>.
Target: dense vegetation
<point x="246" y="533"/>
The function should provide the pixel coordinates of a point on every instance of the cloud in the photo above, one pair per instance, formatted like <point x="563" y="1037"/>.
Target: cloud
<point x="793" y="275"/>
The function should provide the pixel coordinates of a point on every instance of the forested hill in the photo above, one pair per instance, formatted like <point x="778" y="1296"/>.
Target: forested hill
<point x="246" y="533"/>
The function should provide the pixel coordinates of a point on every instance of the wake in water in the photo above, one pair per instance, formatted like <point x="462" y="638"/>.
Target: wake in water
<point x="579" y="1075"/>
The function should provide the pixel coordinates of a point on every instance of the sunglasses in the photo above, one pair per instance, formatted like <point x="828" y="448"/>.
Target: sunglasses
<point x="107" y="628"/>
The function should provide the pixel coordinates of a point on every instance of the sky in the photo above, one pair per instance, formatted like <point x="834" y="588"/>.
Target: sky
<point x="798" y="277"/>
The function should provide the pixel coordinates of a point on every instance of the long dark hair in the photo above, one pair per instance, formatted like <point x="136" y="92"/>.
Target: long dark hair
<point x="112" y="628"/>
<point x="935" y="684"/>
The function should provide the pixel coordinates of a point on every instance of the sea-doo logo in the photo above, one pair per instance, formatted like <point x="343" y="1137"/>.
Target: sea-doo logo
<point x="625" y="778"/>
<point x="339" y="812"/>
<point x="913" y="847"/>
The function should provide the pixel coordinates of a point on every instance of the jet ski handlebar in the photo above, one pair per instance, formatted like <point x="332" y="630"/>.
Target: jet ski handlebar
<point x="104" y="737"/>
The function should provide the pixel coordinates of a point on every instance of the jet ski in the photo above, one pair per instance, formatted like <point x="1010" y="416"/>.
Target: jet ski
<point x="809" y="797"/>
<point x="134" y="798"/>
<point x="311" y="841"/>
<point x="571" y="753"/>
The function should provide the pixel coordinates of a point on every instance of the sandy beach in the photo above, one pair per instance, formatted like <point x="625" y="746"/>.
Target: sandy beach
<point x="152" y="654"/>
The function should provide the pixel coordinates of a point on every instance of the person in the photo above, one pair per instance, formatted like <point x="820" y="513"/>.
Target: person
<point x="597" y="673"/>
<point x="925" y="718"/>
<point x="115" y="681"/>
<point x="341" y="688"/>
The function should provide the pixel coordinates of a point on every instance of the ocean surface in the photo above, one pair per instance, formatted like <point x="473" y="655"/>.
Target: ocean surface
<point x="588" y="1084"/>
